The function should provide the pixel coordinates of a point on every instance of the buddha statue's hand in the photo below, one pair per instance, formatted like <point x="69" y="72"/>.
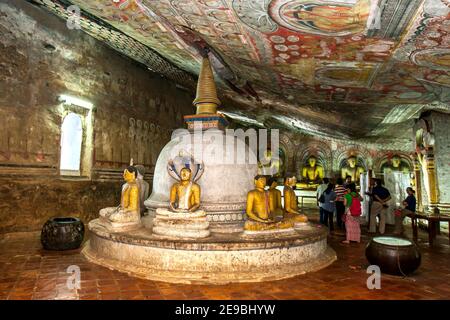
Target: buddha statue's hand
<point x="268" y="220"/>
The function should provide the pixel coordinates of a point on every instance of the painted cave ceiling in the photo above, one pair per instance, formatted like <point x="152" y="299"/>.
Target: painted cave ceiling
<point x="346" y="68"/>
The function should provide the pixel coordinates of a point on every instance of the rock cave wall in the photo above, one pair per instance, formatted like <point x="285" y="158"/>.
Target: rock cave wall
<point x="133" y="116"/>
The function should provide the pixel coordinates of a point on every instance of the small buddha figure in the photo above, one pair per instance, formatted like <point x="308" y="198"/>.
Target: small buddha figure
<point x="312" y="173"/>
<point x="128" y="213"/>
<point x="396" y="166"/>
<point x="183" y="218"/>
<point x="290" y="201"/>
<point x="258" y="209"/>
<point x="185" y="194"/>
<point x="144" y="187"/>
<point x="352" y="170"/>
<point x="275" y="206"/>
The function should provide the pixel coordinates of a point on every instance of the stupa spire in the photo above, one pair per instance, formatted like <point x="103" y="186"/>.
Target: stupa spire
<point x="206" y="100"/>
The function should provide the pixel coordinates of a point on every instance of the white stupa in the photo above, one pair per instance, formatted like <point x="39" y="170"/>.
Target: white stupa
<point x="228" y="166"/>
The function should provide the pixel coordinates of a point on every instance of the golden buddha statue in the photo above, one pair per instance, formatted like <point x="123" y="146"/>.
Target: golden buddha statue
<point x="128" y="213"/>
<point x="396" y="166"/>
<point x="185" y="194"/>
<point x="275" y="206"/>
<point x="290" y="201"/>
<point x="258" y="209"/>
<point x="312" y="174"/>
<point x="352" y="170"/>
<point x="183" y="219"/>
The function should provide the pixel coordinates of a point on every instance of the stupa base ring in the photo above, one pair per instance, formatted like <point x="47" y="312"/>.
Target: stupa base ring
<point x="218" y="259"/>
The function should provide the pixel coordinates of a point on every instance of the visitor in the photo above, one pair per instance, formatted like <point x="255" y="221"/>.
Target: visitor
<point x="340" y="191"/>
<point x="328" y="206"/>
<point x="352" y="202"/>
<point x="347" y="182"/>
<point x="320" y="190"/>
<point x="380" y="197"/>
<point x="409" y="208"/>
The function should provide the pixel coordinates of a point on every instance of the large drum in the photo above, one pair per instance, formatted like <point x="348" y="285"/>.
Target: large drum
<point x="393" y="255"/>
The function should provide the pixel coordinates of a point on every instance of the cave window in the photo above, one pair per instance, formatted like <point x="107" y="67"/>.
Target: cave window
<point x="71" y="143"/>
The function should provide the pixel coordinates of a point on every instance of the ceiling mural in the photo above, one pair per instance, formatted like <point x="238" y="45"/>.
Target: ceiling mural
<point x="284" y="58"/>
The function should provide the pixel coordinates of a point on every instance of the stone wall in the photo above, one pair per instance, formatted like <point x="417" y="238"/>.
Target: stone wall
<point x="134" y="113"/>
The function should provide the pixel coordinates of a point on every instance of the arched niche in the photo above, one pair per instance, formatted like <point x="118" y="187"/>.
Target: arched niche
<point x="388" y="161"/>
<point x="288" y="147"/>
<point x="364" y="159"/>
<point x="341" y="164"/>
<point x="320" y="150"/>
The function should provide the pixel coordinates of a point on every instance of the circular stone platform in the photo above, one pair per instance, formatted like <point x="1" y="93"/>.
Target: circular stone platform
<point x="218" y="259"/>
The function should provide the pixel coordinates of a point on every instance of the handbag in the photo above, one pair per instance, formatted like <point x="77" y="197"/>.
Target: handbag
<point x="347" y="213"/>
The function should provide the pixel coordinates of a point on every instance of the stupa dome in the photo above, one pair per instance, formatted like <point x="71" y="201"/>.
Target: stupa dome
<point x="224" y="184"/>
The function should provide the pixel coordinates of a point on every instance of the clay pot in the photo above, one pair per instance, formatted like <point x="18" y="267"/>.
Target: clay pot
<point x="65" y="233"/>
<point x="393" y="255"/>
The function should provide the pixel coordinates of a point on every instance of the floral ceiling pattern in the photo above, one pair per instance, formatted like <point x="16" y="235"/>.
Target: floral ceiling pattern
<point x="311" y="64"/>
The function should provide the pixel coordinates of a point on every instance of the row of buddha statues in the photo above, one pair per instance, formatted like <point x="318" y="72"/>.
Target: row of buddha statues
<point x="183" y="217"/>
<point x="264" y="207"/>
<point x="313" y="173"/>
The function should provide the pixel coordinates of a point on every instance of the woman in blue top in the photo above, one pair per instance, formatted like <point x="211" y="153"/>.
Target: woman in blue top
<point x="328" y="206"/>
<point x="409" y="208"/>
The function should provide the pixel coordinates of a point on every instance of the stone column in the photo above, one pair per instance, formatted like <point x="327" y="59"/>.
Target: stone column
<point x="431" y="174"/>
<point x="433" y="149"/>
<point x="418" y="183"/>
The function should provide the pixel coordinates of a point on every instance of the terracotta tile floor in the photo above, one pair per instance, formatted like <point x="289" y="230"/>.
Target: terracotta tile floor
<point x="28" y="272"/>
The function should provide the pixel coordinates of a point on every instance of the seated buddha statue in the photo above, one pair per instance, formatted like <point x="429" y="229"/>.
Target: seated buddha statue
<point x="128" y="213"/>
<point x="185" y="194"/>
<point x="352" y="170"/>
<point x="275" y="206"/>
<point x="183" y="218"/>
<point x="291" y="210"/>
<point x="396" y="165"/>
<point x="312" y="174"/>
<point x="258" y="209"/>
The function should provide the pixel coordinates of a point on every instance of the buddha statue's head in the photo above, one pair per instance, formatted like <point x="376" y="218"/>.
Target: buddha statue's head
<point x="312" y="161"/>
<point x="290" y="181"/>
<point x="396" y="161"/>
<point x="185" y="174"/>
<point x="272" y="183"/>
<point x="140" y="171"/>
<point x="260" y="181"/>
<point x="130" y="174"/>
<point x="351" y="161"/>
